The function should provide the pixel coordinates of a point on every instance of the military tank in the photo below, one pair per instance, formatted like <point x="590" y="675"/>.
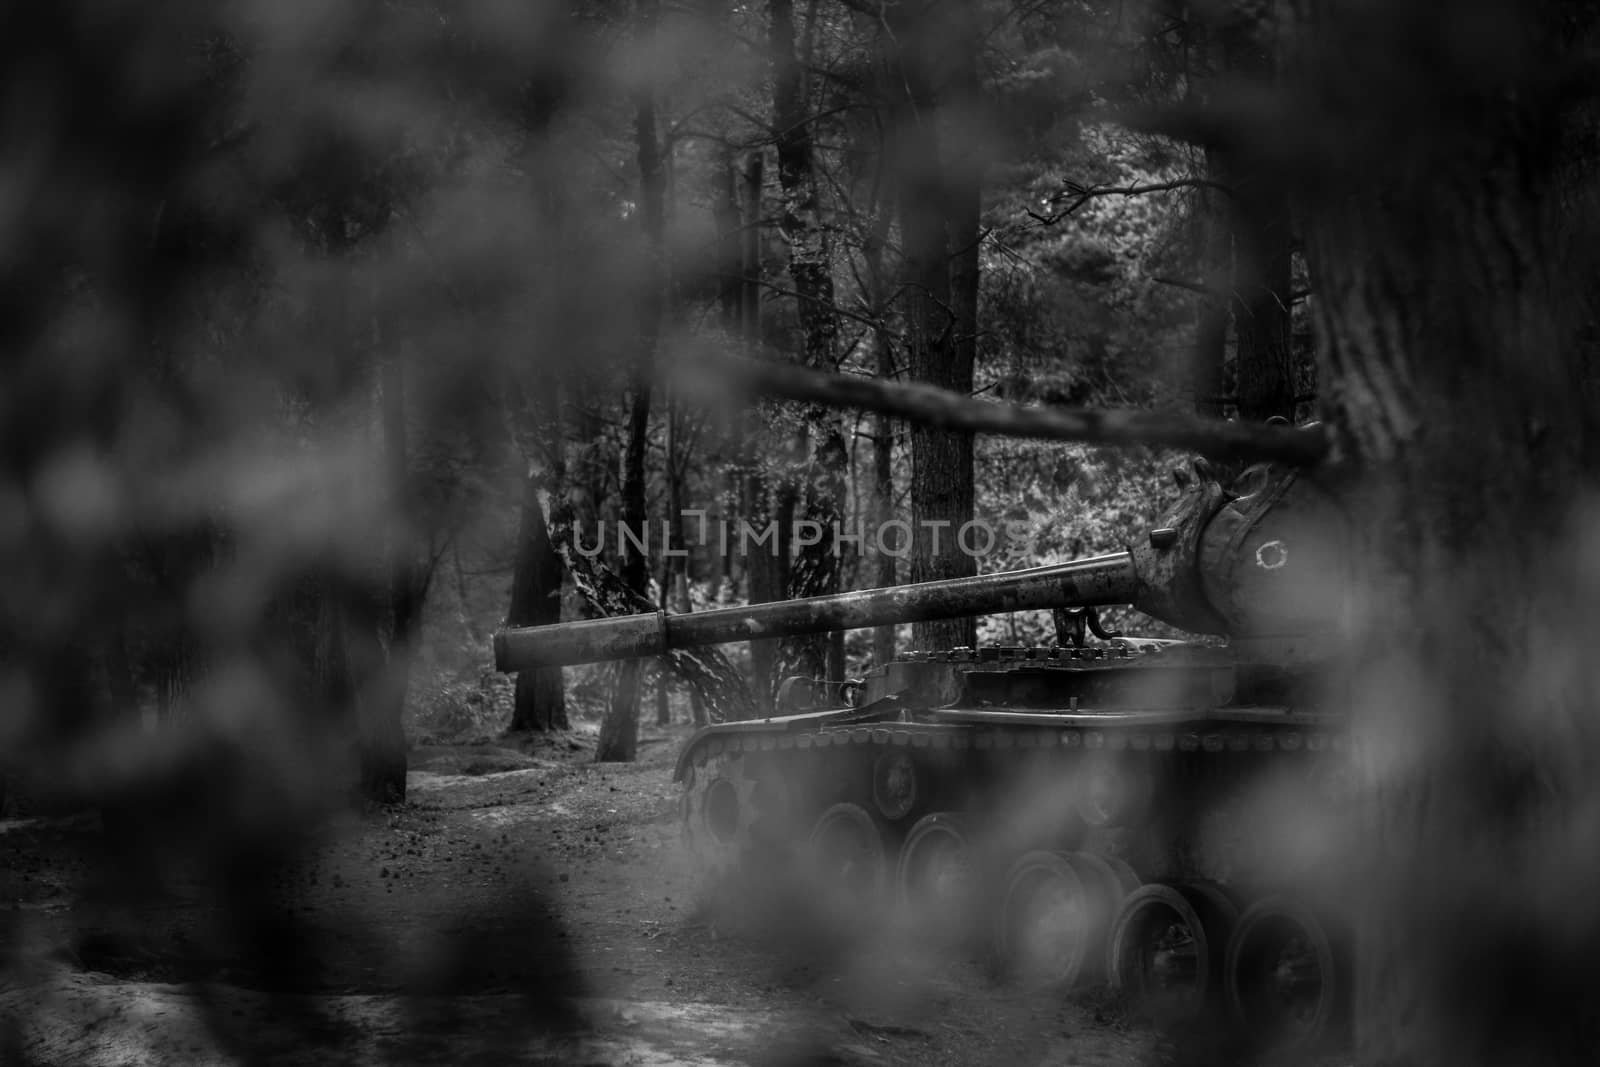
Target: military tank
<point x="1111" y="808"/>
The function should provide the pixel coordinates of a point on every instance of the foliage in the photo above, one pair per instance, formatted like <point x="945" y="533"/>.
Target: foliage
<point x="297" y="293"/>
<point x="1072" y="309"/>
<point x="455" y="711"/>
<point x="1073" y="501"/>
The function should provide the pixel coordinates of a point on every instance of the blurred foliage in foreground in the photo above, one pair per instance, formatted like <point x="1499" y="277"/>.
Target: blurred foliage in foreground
<point x="294" y="294"/>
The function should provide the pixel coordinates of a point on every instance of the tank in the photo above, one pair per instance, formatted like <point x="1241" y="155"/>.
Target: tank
<point x="1142" y="812"/>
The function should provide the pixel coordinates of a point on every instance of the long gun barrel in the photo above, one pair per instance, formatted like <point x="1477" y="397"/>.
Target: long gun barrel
<point x="1096" y="581"/>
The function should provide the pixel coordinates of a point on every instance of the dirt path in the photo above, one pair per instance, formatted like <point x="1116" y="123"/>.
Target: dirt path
<point x="523" y="905"/>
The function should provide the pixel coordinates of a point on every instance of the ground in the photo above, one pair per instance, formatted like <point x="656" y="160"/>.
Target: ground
<point x="524" y="904"/>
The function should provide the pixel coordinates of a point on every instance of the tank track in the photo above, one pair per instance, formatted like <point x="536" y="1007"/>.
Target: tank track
<point x="1172" y="829"/>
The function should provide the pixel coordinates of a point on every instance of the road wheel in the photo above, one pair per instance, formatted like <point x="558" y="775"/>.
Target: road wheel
<point x="848" y="856"/>
<point x="937" y="883"/>
<point x="1166" y="947"/>
<point x="1052" y="919"/>
<point x="1282" y="976"/>
<point x="735" y="824"/>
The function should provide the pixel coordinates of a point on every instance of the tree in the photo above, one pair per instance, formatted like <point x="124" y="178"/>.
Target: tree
<point x="883" y="430"/>
<point x="381" y="706"/>
<point x="537" y="421"/>
<point x="1211" y="321"/>
<point x="935" y="213"/>
<point x="816" y="569"/>
<point x="535" y="601"/>
<point x="619" y="733"/>
<point x="1259" y="223"/>
<point x="1452" y="316"/>
<point x="766" y="572"/>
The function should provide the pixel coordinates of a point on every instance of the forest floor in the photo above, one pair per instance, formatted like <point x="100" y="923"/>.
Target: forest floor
<point x="525" y="904"/>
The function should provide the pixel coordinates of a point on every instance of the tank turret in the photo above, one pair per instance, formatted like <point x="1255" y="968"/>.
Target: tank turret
<point x="1262" y="559"/>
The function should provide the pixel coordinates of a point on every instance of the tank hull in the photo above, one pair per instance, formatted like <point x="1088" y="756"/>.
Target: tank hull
<point x="1146" y="779"/>
<point x="967" y="756"/>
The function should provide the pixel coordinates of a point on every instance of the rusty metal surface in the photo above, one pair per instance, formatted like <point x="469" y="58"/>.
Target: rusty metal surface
<point x="972" y="727"/>
<point x="1255" y="716"/>
<point x="810" y="720"/>
<point x="1275" y="559"/>
<point x="1168" y="561"/>
<point x="1099" y="580"/>
<point x="588" y="641"/>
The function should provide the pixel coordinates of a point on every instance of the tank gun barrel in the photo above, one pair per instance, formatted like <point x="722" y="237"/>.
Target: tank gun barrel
<point x="1096" y="581"/>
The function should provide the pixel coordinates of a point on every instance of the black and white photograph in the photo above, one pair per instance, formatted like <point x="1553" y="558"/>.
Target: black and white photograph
<point x="801" y="533"/>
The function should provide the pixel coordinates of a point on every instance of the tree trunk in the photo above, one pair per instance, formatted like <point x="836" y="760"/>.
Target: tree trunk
<point x="176" y="559"/>
<point x="673" y="573"/>
<point x="174" y="675"/>
<point x="1260" y="221"/>
<point x="730" y="242"/>
<point x="333" y="684"/>
<point x="964" y="179"/>
<point x="1265" y="361"/>
<point x="536" y="601"/>
<point x="801" y="223"/>
<point x="1450" y="340"/>
<point x="750" y="298"/>
<point x="538" y="428"/>
<point x="120" y="683"/>
<point x="884" y="571"/>
<point x="941" y="461"/>
<point x="764" y="569"/>
<point x="816" y="570"/>
<point x="619" y="732"/>
<point x="883" y="427"/>
<point x="1210" y="349"/>
<point x="381" y="738"/>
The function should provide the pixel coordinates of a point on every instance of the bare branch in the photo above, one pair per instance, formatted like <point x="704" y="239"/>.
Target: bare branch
<point x="715" y="376"/>
<point x="1193" y="287"/>
<point x="1075" y="195"/>
<point x="870" y="323"/>
<point x="865" y="7"/>
<point x="1221" y="295"/>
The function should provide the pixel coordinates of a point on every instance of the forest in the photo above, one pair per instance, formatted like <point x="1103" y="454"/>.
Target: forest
<point x="340" y="336"/>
